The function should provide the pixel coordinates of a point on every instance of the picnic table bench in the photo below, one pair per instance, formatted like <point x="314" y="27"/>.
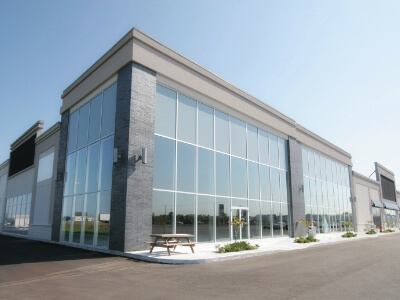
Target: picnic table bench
<point x="171" y="241"/>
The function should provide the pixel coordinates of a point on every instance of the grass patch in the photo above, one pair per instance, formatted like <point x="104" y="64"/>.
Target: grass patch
<point x="371" y="232"/>
<point x="306" y="240"/>
<point x="349" y="234"/>
<point x="236" y="247"/>
<point x="389" y="230"/>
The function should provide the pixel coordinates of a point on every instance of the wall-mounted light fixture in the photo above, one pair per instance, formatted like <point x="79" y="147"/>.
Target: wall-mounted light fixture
<point x="301" y="188"/>
<point x="143" y="156"/>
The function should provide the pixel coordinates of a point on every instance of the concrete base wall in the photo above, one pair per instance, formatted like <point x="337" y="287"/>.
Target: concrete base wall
<point x="42" y="232"/>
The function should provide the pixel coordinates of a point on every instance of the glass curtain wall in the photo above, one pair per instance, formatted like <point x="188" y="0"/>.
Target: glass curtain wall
<point x="88" y="171"/>
<point x="17" y="214"/>
<point x="326" y="192"/>
<point x="391" y="218"/>
<point x="207" y="162"/>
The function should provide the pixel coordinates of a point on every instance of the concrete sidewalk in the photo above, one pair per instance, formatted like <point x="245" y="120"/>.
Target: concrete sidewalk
<point x="205" y="253"/>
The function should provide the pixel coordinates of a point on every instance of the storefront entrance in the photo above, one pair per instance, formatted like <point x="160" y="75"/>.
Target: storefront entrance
<point x="241" y="233"/>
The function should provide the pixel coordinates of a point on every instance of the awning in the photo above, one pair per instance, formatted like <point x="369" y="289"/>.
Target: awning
<point x="391" y="205"/>
<point x="376" y="203"/>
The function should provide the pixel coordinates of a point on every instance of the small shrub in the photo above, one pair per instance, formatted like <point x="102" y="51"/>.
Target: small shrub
<point x="389" y="230"/>
<point x="349" y="234"/>
<point x="371" y="232"/>
<point x="306" y="240"/>
<point x="236" y="247"/>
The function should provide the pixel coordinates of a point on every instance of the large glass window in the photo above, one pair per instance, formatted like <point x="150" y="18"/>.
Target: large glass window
<point x="215" y="162"/>
<point x="326" y="191"/>
<point x="17" y="214"/>
<point x="88" y="171"/>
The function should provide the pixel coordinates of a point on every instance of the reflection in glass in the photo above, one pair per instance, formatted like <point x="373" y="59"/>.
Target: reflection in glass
<point x="165" y="111"/>
<point x="284" y="187"/>
<point x="221" y="132"/>
<point x="254" y="219"/>
<point x="254" y="184"/>
<point x="266" y="219"/>
<point x="265" y="183"/>
<point x="263" y="144"/>
<point x="90" y="218"/>
<point x="238" y="136"/>
<point x="92" y="168"/>
<point x="73" y="131"/>
<point x="163" y="207"/>
<point x="83" y="126"/>
<point x="206" y="126"/>
<point x="311" y="164"/>
<point x="103" y="218"/>
<point x="77" y="220"/>
<point x="205" y="171"/>
<point x="186" y="119"/>
<point x="317" y="166"/>
<point x="307" y="195"/>
<point x="69" y="176"/>
<point x="285" y="219"/>
<point x="239" y="178"/>
<point x="223" y="207"/>
<point x="106" y="163"/>
<point x="80" y="172"/>
<point x="205" y="218"/>
<point x="108" y="115"/>
<point x="164" y="163"/>
<point x="273" y="151"/>
<point x="66" y="219"/>
<point x="252" y="143"/>
<point x="185" y="209"/>
<point x="276" y="194"/>
<point x="186" y="173"/>
<point x="222" y="174"/>
<point x="95" y="119"/>
<point x="277" y="222"/>
<point x="283" y="154"/>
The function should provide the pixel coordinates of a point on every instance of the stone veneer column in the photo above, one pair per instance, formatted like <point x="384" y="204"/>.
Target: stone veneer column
<point x="132" y="183"/>
<point x="59" y="189"/>
<point x="297" y="205"/>
<point x="353" y="199"/>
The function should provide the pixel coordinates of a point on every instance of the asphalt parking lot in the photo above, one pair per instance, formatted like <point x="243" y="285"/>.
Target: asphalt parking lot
<point x="364" y="269"/>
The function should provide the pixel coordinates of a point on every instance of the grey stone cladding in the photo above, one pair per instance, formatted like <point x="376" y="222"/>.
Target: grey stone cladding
<point x="132" y="185"/>
<point x="59" y="189"/>
<point x="297" y="205"/>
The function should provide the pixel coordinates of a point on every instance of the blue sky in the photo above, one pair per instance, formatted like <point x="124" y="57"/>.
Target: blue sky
<point x="332" y="66"/>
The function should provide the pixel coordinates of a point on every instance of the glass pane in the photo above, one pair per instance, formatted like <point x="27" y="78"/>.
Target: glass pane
<point x="265" y="183"/>
<point x="252" y="143"/>
<point x="205" y="171"/>
<point x="80" y="172"/>
<point x="284" y="187"/>
<point x="205" y="218"/>
<point x="69" y="176"/>
<point x="186" y="172"/>
<point x="108" y="115"/>
<point x="275" y="188"/>
<point x="317" y="167"/>
<point x="95" y="118"/>
<point x="325" y="194"/>
<point x="277" y="222"/>
<point x="92" y="168"/>
<point x="164" y="164"/>
<point x="206" y="126"/>
<point x="90" y="218"/>
<point x="334" y="174"/>
<point x="313" y="192"/>
<point x="329" y="170"/>
<point x="73" y="131"/>
<point x="323" y="168"/>
<point x="285" y="219"/>
<point x="240" y="202"/>
<point x="185" y="209"/>
<point x="266" y="219"/>
<point x="254" y="183"/>
<point x="223" y="212"/>
<point x="283" y="154"/>
<point x="304" y="159"/>
<point x="319" y="193"/>
<point x="66" y="219"/>
<point x="307" y="195"/>
<point x="254" y="219"/>
<point x="106" y="163"/>
<point x="83" y="126"/>
<point x="103" y="225"/>
<point x="222" y="174"/>
<point x="163" y="211"/>
<point x="239" y="178"/>
<point x="165" y="111"/>
<point x="186" y="119"/>
<point x="221" y="132"/>
<point x="245" y="228"/>
<point x="238" y="138"/>
<point x="273" y="151"/>
<point x="77" y="221"/>
<point x="311" y="164"/>
<point x="264" y="152"/>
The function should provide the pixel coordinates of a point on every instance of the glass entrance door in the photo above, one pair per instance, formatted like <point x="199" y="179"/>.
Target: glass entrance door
<point x="241" y="232"/>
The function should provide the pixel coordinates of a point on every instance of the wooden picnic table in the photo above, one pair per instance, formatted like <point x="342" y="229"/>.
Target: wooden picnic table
<point x="171" y="241"/>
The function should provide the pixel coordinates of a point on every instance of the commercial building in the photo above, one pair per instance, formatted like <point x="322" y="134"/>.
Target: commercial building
<point x="151" y="142"/>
